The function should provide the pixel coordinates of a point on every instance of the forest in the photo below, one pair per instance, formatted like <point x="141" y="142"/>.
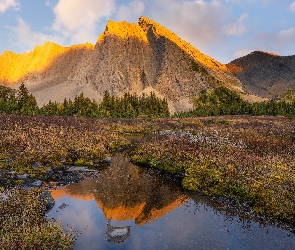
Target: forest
<point x="128" y="106"/>
<point x="217" y="102"/>
<point x="222" y="101"/>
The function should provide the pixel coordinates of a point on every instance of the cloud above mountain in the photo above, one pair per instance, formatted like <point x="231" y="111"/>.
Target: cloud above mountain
<point x="26" y="39"/>
<point x="131" y="12"/>
<point x="219" y="28"/>
<point x="7" y="4"/>
<point x="237" y="28"/>
<point x="270" y="41"/>
<point x="198" y="22"/>
<point x="78" y="20"/>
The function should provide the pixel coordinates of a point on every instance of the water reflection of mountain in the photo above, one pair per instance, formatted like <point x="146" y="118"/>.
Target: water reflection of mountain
<point x="127" y="192"/>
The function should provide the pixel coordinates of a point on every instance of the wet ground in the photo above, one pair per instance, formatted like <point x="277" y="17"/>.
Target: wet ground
<point x="127" y="207"/>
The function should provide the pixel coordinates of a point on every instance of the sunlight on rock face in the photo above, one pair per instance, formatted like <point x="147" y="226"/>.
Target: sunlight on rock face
<point x="158" y="29"/>
<point x="127" y="57"/>
<point x="124" y="30"/>
<point x="15" y="66"/>
<point x="140" y="31"/>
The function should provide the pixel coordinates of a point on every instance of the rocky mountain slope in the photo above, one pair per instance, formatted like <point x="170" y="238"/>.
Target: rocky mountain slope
<point x="136" y="58"/>
<point x="265" y="74"/>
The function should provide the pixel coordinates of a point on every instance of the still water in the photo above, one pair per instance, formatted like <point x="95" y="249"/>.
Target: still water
<point x="129" y="207"/>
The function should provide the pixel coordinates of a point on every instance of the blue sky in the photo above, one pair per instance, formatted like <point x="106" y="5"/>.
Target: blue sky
<point x="223" y="29"/>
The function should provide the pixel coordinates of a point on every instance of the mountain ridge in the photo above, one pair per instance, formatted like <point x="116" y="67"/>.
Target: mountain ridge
<point x="265" y="74"/>
<point x="136" y="58"/>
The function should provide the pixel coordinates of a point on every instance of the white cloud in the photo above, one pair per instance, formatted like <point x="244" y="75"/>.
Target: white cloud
<point x="248" y="1"/>
<point x="131" y="11"/>
<point x="287" y="36"/>
<point x="242" y="52"/>
<point x="77" y="19"/>
<point x="6" y="4"/>
<point x="292" y="7"/>
<point x="26" y="39"/>
<point x="199" y="22"/>
<point x="279" y="42"/>
<point x="236" y="29"/>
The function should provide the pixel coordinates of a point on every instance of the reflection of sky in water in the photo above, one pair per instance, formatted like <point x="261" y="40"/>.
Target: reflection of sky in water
<point x="163" y="221"/>
<point x="183" y="228"/>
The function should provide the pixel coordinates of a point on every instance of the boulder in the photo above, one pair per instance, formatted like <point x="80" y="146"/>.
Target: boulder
<point x="50" y="202"/>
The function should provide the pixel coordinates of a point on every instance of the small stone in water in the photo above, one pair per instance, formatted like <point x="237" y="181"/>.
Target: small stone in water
<point x="62" y="206"/>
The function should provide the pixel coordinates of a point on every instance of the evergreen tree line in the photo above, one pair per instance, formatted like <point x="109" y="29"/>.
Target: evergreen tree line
<point x="222" y="101"/>
<point x="17" y="101"/>
<point x="130" y="106"/>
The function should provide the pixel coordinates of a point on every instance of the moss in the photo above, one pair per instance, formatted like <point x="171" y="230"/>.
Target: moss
<point x="252" y="162"/>
<point x="23" y="224"/>
<point x="84" y="162"/>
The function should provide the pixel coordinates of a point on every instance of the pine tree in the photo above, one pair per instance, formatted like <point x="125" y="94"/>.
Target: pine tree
<point x="27" y="104"/>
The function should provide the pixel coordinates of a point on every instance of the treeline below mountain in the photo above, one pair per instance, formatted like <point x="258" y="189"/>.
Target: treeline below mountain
<point x="220" y="101"/>
<point x="129" y="106"/>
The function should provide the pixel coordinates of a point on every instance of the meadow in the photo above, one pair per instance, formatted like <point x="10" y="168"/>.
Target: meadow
<point x="245" y="158"/>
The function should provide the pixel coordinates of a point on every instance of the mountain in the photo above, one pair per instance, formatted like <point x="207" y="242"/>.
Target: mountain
<point x="135" y="58"/>
<point x="265" y="74"/>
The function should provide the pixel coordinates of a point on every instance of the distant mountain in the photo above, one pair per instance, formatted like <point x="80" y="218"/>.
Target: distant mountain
<point x="136" y="58"/>
<point x="264" y="74"/>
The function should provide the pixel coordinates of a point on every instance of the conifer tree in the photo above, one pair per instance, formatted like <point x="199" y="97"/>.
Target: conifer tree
<point x="27" y="104"/>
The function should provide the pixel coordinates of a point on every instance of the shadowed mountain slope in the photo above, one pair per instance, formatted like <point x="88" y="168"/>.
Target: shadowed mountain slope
<point x="137" y="58"/>
<point x="265" y="74"/>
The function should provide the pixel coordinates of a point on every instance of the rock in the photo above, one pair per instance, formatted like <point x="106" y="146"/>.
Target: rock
<point x="117" y="234"/>
<point x="3" y="196"/>
<point x="74" y="168"/>
<point x="97" y="161"/>
<point x="62" y="206"/>
<point x="23" y="176"/>
<point x="145" y="56"/>
<point x="264" y="74"/>
<point x="49" y="199"/>
<point x="107" y="160"/>
<point x="37" y="165"/>
<point x="53" y="184"/>
<point x="80" y="169"/>
<point x="63" y="160"/>
<point x="48" y="170"/>
<point x="7" y="162"/>
<point x="37" y="183"/>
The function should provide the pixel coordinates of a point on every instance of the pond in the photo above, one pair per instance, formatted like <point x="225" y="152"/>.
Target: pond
<point x="130" y="207"/>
